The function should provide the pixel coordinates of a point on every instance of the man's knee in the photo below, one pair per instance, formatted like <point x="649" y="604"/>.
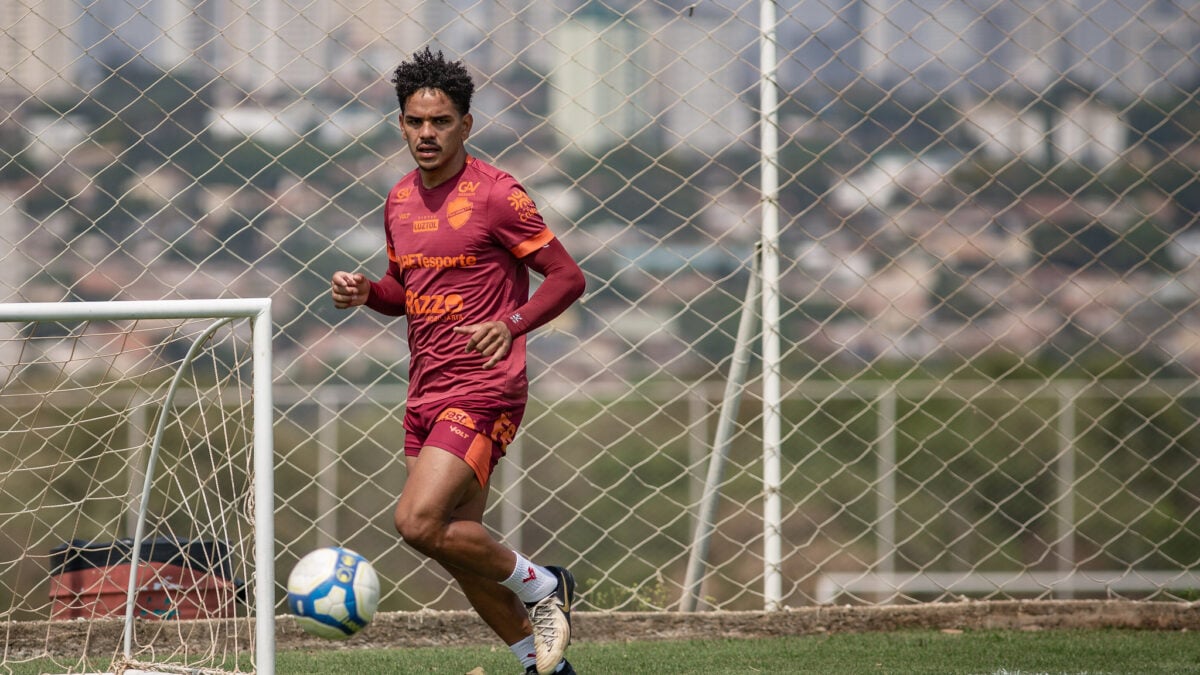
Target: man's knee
<point x="423" y="534"/>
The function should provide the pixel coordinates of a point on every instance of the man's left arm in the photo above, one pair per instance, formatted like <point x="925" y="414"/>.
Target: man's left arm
<point x="563" y="284"/>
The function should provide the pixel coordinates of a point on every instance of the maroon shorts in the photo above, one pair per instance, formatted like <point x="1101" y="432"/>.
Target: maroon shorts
<point x="478" y="434"/>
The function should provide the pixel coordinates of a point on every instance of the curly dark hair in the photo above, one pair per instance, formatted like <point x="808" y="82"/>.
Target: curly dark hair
<point x="427" y="70"/>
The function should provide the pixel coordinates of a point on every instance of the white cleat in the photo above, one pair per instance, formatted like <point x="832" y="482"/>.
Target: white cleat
<point x="551" y="619"/>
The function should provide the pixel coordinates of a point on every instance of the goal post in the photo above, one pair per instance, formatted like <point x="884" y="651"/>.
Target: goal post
<point x="76" y="382"/>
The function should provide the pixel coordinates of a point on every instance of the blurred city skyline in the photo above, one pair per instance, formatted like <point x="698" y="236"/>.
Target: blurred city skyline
<point x="177" y="141"/>
<point x="276" y="47"/>
<point x="596" y="74"/>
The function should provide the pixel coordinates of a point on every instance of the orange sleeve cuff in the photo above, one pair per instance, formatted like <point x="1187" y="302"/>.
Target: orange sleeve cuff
<point x="533" y="243"/>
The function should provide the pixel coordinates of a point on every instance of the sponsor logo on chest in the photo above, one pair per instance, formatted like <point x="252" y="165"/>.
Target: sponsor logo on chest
<point x="457" y="210"/>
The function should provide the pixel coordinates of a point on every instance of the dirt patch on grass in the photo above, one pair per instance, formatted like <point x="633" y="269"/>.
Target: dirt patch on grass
<point x="431" y="629"/>
<point x="438" y="628"/>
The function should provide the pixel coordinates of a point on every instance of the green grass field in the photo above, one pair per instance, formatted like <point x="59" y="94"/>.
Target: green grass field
<point x="907" y="652"/>
<point x="970" y="652"/>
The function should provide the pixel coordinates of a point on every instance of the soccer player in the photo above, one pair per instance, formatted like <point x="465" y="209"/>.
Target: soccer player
<point x="461" y="238"/>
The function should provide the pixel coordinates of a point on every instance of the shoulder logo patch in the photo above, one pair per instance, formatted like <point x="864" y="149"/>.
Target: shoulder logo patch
<point x="522" y="204"/>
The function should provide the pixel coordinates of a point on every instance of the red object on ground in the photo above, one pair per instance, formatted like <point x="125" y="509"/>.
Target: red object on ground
<point x="175" y="580"/>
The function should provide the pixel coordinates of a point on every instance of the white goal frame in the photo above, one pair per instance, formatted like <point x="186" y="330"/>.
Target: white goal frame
<point x="258" y="310"/>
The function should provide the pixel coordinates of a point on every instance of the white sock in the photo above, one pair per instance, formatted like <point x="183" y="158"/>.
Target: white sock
<point x="525" y="652"/>
<point x="530" y="582"/>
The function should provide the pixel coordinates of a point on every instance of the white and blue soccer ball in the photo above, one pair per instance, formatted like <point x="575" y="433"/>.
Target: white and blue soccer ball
<point x="333" y="592"/>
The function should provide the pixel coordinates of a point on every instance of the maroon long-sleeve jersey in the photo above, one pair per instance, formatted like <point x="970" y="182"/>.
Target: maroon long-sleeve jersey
<point x="456" y="251"/>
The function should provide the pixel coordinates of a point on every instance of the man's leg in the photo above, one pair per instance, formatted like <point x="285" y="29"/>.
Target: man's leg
<point x="440" y="514"/>
<point x="499" y="607"/>
<point x="439" y="488"/>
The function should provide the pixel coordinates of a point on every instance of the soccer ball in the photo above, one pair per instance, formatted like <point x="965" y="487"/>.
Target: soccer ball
<point x="333" y="592"/>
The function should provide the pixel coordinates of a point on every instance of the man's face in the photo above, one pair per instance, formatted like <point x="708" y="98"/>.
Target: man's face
<point x="435" y="133"/>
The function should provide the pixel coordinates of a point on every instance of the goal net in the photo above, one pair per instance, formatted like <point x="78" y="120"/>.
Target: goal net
<point x="135" y="487"/>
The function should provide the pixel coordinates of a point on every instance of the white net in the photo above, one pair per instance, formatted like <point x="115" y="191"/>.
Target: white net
<point x="86" y="405"/>
<point x="987" y="274"/>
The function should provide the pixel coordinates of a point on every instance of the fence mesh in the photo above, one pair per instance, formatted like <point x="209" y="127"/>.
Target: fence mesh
<point x="988" y="280"/>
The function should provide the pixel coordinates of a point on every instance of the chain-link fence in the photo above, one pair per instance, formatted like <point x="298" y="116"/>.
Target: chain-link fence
<point x="968" y="370"/>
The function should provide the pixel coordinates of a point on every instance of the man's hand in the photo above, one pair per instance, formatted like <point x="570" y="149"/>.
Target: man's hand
<point x="490" y="338"/>
<point x="350" y="289"/>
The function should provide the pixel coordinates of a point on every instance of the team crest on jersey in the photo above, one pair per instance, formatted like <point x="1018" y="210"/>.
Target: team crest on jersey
<point x="458" y="211"/>
<point x="523" y="205"/>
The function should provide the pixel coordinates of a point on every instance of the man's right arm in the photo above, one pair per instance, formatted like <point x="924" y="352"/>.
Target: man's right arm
<point x="386" y="296"/>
